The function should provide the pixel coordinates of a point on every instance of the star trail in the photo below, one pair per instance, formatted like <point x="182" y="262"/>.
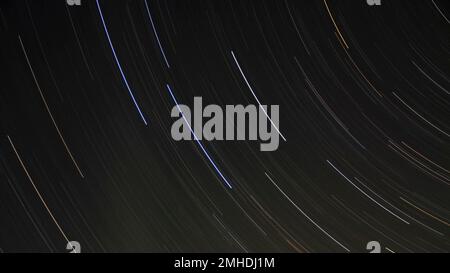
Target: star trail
<point x="87" y="155"/>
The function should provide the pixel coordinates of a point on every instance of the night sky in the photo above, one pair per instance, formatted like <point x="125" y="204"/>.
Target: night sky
<point x="86" y="152"/>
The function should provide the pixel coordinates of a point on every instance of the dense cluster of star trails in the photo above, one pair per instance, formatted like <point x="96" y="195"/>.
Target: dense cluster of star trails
<point x="86" y="152"/>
